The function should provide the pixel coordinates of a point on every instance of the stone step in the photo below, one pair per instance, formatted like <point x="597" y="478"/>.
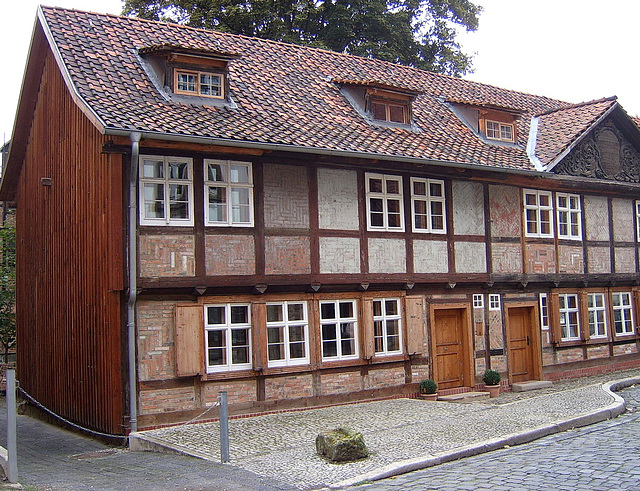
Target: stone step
<point x="531" y="385"/>
<point x="465" y="397"/>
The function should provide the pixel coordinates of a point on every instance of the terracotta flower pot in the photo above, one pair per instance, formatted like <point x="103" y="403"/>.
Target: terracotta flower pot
<point x="429" y="397"/>
<point x="494" y="390"/>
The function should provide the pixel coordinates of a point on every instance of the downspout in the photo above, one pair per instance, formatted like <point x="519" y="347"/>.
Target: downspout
<point x="133" y="283"/>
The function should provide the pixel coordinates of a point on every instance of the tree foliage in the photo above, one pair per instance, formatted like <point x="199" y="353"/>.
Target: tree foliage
<point x="419" y="33"/>
<point x="7" y="289"/>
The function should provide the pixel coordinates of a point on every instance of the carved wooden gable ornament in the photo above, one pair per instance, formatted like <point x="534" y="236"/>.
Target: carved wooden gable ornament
<point x="604" y="153"/>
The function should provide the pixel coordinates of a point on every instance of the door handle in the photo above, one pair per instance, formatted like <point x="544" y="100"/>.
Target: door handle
<point x="528" y="341"/>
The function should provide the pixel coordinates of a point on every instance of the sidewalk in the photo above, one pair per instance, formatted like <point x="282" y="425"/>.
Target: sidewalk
<point x="403" y="434"/>
<point x="277" y="451"/>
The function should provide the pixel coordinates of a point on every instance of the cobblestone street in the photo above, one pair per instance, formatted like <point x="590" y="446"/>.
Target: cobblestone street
<point x="605" y="456"/>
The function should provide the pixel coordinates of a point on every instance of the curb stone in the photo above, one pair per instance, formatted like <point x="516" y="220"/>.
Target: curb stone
<point x="609" y="412"/>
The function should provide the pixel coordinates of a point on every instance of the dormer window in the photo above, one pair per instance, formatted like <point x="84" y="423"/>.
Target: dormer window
<point x="199" y="83"/>
<point x="392" y="111"/>
<point x="499" y="131"/>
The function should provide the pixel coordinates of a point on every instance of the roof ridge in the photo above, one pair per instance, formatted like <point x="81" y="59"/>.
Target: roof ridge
<point x="579" y="104"/>
<point x="312" y="48"/>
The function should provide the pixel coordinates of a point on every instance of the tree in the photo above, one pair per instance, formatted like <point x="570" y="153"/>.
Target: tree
<point x="419" y="33"/>
<point x="7" y="289"/>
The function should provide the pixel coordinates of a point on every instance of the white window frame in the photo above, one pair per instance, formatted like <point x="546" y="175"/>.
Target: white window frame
<point x="566" y="314"/>
<point x="478" y="301"/>
<point x="638" y="220"/>
<point x="285" y="323"/>
<point x="625" y="312"/>
<point x="544" y="311"/>
<point x="338" y="321"/>
<point x="569" y="214"/>
<point x="230" y="186"/>
<point x="597" y="327"/>
<point x="383" y="318"/>
<point x="538" y="209"/>
<point x="494" y="301"/>
<point x="498" y="133"/>
<point x="227" y="328"/>
<point x="166" y="181"/>
<point x="198" y="83"/>
<point x="385" y="198"/>
<point x="429" y="200"/>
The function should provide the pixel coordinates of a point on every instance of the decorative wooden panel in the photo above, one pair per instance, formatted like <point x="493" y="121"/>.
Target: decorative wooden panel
<point x="189" y="340"/>
<point x="416" y="324"/>
<point x="366" y="329"/>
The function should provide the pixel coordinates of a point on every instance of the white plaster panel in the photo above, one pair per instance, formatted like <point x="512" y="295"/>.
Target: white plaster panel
<point x="387" y="256"/>
<point x="286" y="196"/>
<point x="599" y="259"/>
<point x="597" y="217"/>
<point x="470" y="257"/>
<point x="622" y="211"/>
<point x="468" y="208"/>
<point x="339" y="255"/>
<point x="338" y="199"/>
<point x="430" y="256"/>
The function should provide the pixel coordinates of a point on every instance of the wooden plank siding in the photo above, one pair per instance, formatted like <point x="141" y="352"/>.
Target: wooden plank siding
<point x="70" y="270"/>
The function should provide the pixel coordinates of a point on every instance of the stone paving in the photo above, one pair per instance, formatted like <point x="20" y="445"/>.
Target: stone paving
<point x="604" y="456"/>
<point x="281" y="445"/>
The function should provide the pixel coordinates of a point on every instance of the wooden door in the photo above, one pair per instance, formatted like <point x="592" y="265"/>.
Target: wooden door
<point x="521" y="344"/>
<point x="449" y="348"/>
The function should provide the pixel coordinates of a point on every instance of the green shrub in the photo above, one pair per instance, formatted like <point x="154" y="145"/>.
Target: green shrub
<point x="428" y="386"/>
<point x="491" y="377"/>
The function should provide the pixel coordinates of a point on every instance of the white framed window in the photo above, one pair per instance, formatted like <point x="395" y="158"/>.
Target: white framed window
<point x="227" y="337"/>
<point x="494" y="301"/>
<point x="166" y="190"/>
<point x="569" y="216"/>
<point x="538" y="213"/>
<point x="638" y="220"/>
<point x="597" y="310"/>
<point x="287" y="334"/>
<point x="478" y="301"/>
<point x="385" y="209"/>
<point x="427" y="205"/>
<point x="499" y="131"/>
<point x="206" y="84"/>
<point x="622" y="313"/>
<point x="339" y="330"/>
<point x="228" y="193"/>
<point x="569" y="316"/>
<point x="544" y="311"/>
<point x="387" y="326"/>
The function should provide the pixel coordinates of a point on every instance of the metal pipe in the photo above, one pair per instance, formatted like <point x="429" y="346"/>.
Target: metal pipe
<point x="133" y="277"/>
<point x="224" y="427"/>
<point x="12" y="447"/>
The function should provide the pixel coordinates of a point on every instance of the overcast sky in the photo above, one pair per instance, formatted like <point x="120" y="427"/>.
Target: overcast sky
<point x="573" y="50"/>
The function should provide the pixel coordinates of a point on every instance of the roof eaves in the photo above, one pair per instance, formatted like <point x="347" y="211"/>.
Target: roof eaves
<point x="581" y="137"/>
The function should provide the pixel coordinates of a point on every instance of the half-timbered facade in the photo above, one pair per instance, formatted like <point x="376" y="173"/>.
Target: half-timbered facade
<point x="199" y="212"/>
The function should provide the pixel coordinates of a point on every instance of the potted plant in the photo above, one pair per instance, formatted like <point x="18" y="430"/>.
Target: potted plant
<point x="428" y="390"/>
<point x="491" y="380"/>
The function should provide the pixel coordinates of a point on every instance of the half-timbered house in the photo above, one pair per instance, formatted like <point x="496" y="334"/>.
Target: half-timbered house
<point x="199" y="211"/>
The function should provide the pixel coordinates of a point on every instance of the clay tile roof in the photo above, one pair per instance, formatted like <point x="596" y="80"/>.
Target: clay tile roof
<point x="155" y="48"/>
<point x="288" y="95"/>
<point x="559" y="128"/>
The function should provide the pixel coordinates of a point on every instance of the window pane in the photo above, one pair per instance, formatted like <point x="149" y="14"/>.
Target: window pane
<point x="397" y="114"/>
<point x="391" y="307"/>
<point x="329" y="332"/>
<point x="186" y="82"/>
<point x="239" y="337"/>
<point x="435" y="189"/>
<point x="348" y="347"/>
<point x="239" y="355"/>
<point x="178" y="170"/>
<point x="296" y="334"/>
<point x="377" y="308"/>
<point x="154" y="200"/>
<point x="379" y="111"/>
<point x="215" y="172"/>
<point x="393" y="327"/>
<point x="419" y="188"/>
<point x="275" y="335"/>
<point x="329" y="349"/>
<point x="393" y="186"/>
<point x="346" y="309"/>
<point x="276" y="352"/>
<point x="239" y="314"/>
<point x="274" y="313"/>
<point x="295" y="311"/>
<point x="153" y="169"/>
<point x="215" y="315"/>
<point x="393" y="343"/>
<point x="296" y="350"/>
<point x="240" y="173"/>
<point x="327" y="311"/>
<point x="375" y="185"/>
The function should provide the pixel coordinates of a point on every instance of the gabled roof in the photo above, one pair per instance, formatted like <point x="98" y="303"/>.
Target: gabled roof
<point x="288" y="97"/>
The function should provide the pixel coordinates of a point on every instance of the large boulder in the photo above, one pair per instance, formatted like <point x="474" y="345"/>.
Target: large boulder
<point x="341" y="445"/>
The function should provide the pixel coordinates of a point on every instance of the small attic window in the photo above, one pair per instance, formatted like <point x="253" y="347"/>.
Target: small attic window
<point x="499" y="131"/>
<point x="392" y="111"/>
<point x="205" y="84"/>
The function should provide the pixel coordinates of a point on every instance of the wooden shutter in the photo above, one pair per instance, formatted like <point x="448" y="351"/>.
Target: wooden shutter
<point x="259" y="335"/>
<point x="416" y="323"/>
<point x="366" y="329"/>
<point x="583" y="307"/>
<point x="189" y="340"/>
<point x="554" y="318"/>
